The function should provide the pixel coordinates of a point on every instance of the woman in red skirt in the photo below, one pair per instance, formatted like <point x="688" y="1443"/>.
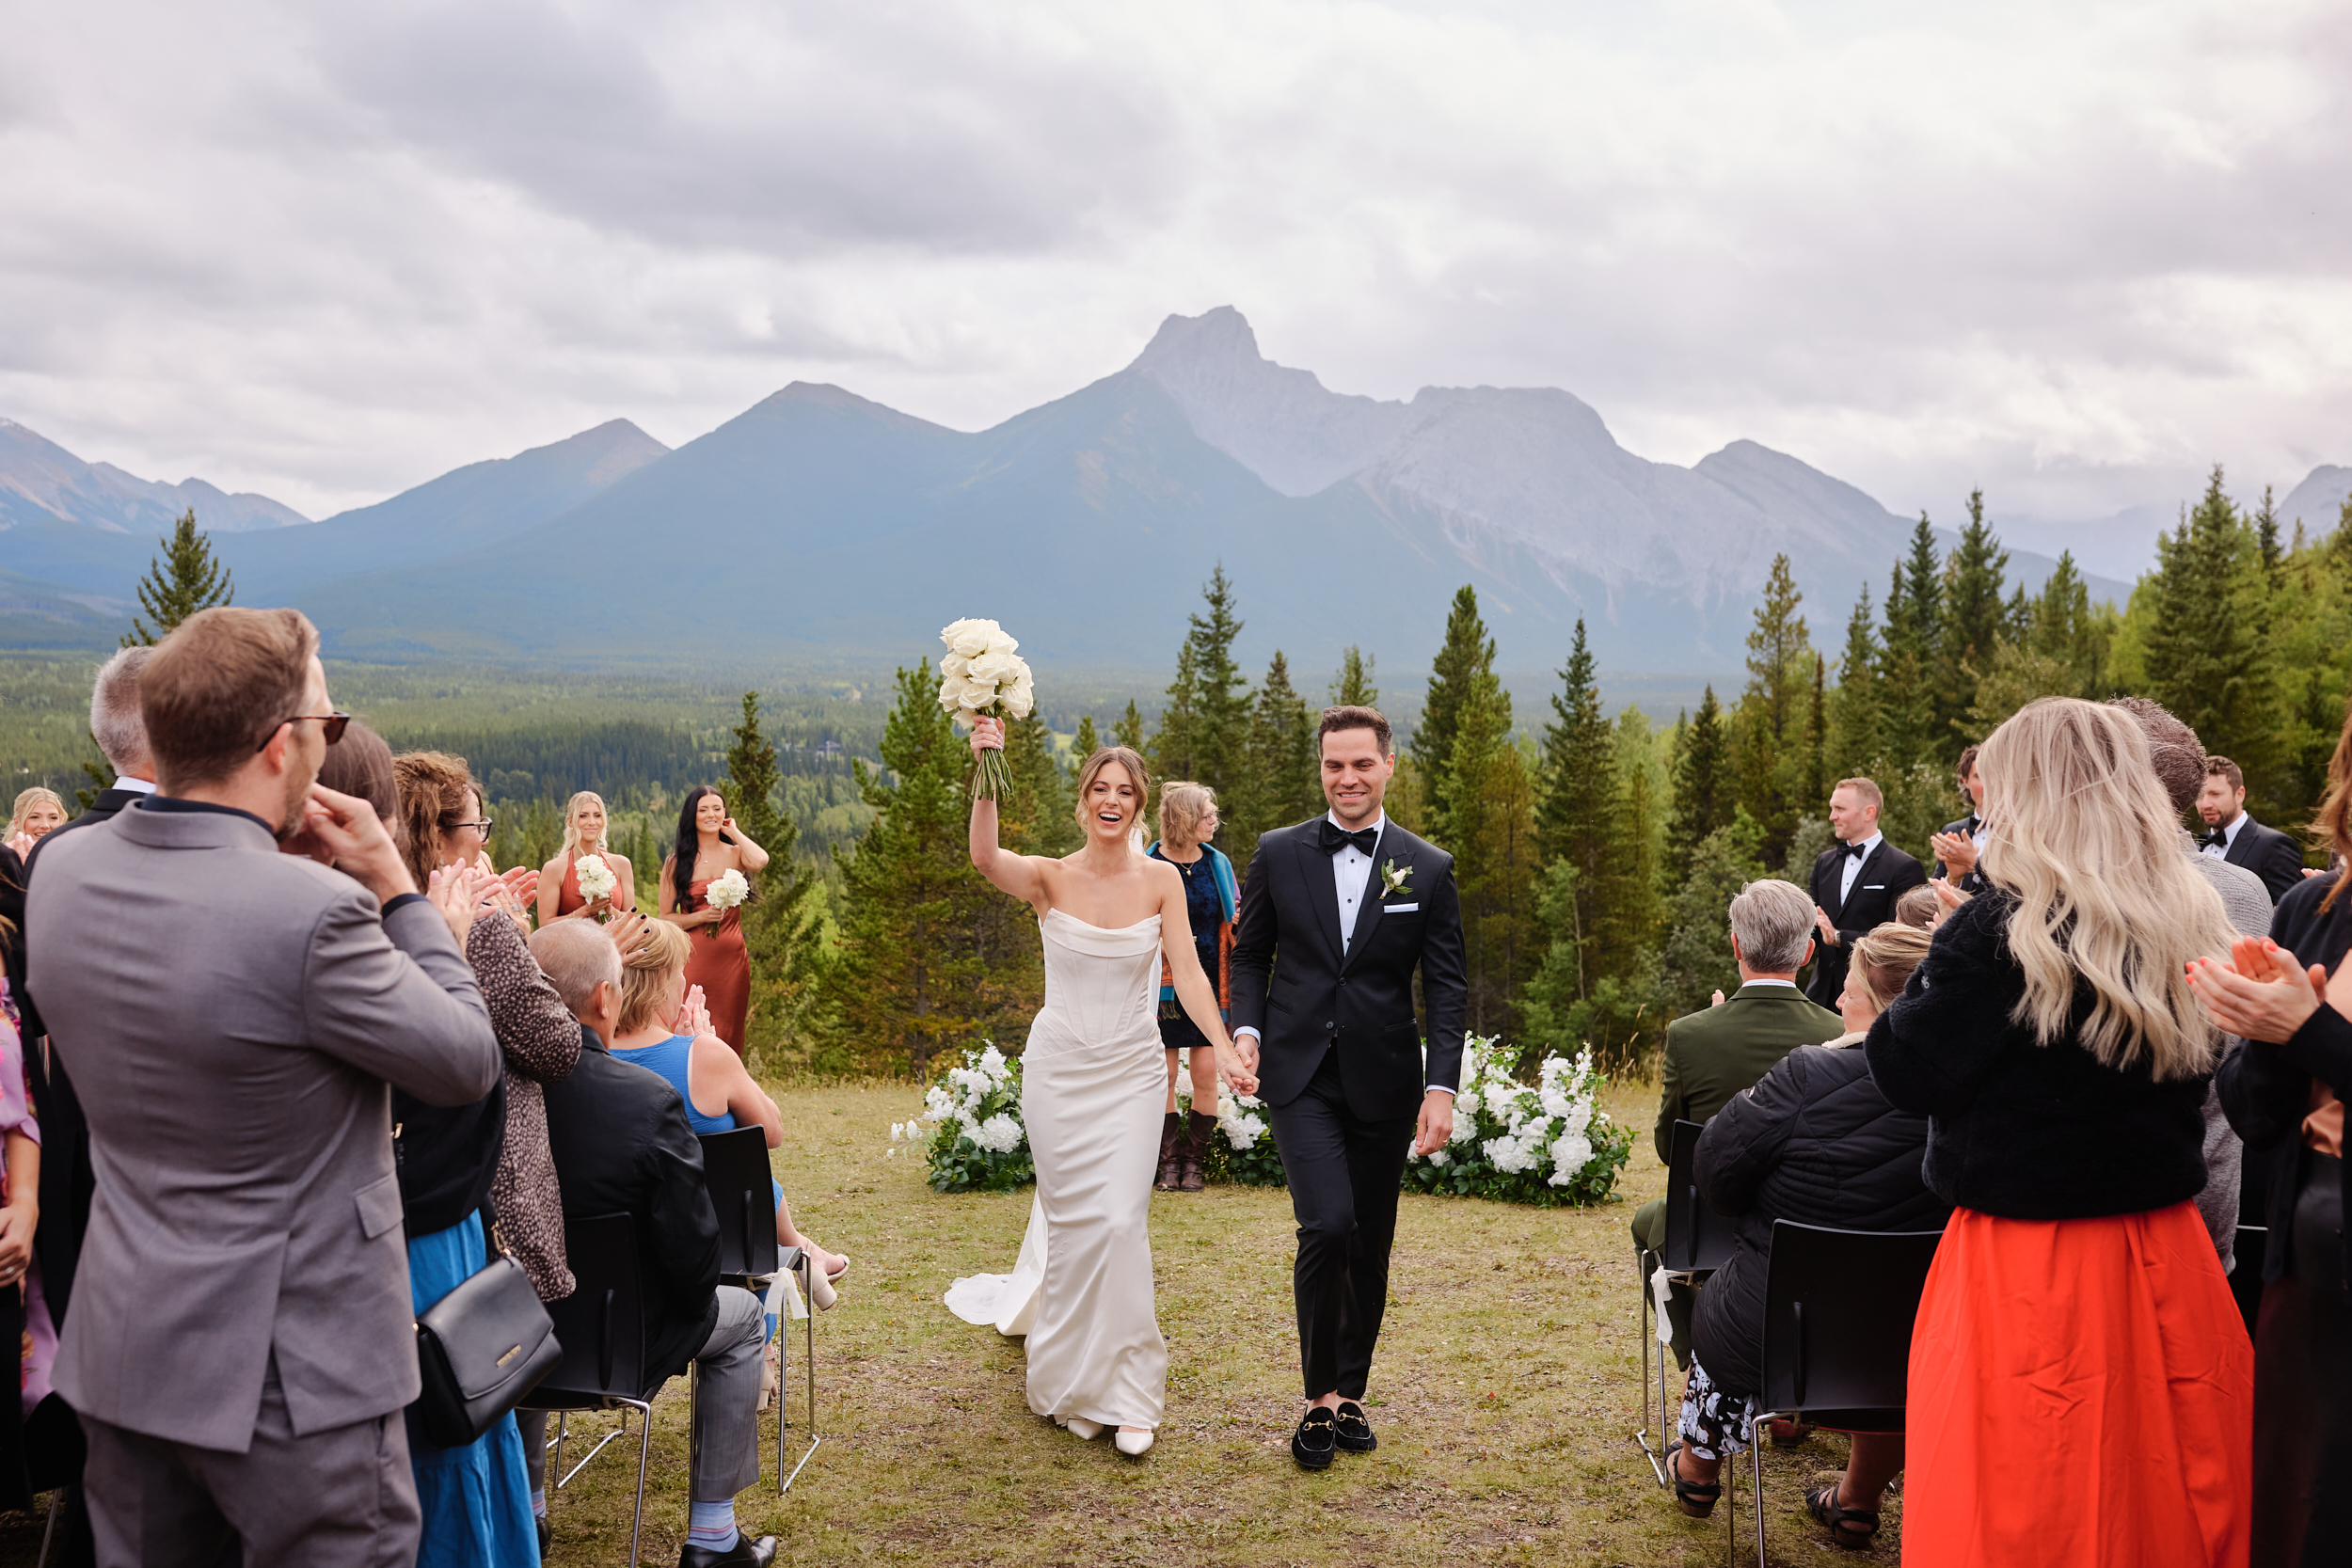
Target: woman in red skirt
<point x="2081" y="1384"/>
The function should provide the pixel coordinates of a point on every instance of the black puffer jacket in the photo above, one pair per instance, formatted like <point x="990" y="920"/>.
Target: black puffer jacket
<point x="1814" y="1141"/>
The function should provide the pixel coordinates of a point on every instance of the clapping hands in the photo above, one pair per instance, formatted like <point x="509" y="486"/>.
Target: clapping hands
<point x="1957" y="852"/>
<point x="459" y="892"/>
<point x="693" y="1017"/>
<point x="2262" y="993"/>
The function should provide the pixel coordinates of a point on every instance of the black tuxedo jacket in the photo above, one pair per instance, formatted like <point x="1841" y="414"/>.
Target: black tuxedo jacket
<point x="2269" y="854"/>
<point x="1974" y="881"/>
<point x="67" y="1184"/>
<point x="1886" y="874"/>
<point x="1295" y="987"/>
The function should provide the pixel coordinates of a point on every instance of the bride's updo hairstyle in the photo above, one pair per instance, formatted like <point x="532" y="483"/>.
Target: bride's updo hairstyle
<point x="1125" y="756"/>
<point x="646" y="974"/>
<point x="2108" y="909"/>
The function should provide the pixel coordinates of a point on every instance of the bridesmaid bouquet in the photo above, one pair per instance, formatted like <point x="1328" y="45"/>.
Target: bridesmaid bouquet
<point x="982" y="676"/>
<point x="726" y="890"/>
<point x="596" y="879"/>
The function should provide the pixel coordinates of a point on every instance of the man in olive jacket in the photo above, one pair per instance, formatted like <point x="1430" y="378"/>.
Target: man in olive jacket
<point x="1712" y="1055"/>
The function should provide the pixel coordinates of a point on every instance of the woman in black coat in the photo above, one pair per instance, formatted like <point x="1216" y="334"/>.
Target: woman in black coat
<point x="2284" y="1092"/>
<point x="1813" y="1141"/>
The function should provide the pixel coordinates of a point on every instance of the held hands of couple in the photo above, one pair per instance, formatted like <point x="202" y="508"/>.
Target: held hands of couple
<point x="1237" y="1069"/>
<point x="2262" y="993"/>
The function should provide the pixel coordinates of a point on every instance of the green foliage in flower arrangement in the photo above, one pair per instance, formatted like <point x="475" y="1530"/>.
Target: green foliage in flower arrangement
<point x="1241" y="1150"/>
<point x="1546" y="1143"/>
<point x="978" y="1144"/>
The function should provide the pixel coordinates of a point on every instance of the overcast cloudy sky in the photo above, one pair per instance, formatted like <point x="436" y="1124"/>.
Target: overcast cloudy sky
<point x="2072" y="252"/>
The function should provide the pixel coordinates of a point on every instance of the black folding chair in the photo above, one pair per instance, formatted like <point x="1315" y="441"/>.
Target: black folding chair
<point x="1697" y="1241"/>
<point x="1838" y="1308"/>
<point x="601" y="1328"/>
<point x="737" y="1174"/>
<point x="2246" y="1274"/>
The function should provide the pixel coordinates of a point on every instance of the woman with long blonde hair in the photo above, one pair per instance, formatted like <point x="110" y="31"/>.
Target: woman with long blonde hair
<point x="38" y="813"/>
<point x="2081" y="1384"/>
<point x="586" y="824"/>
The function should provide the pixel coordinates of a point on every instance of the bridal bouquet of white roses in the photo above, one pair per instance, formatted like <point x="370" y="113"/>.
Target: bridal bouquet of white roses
<point x="726" y="890"/>
<point x="596" y="879"/>
<point x="982" y="676"/>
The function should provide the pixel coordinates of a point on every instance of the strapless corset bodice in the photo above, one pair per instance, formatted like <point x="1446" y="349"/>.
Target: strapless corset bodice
<point x="1100" y="982"/>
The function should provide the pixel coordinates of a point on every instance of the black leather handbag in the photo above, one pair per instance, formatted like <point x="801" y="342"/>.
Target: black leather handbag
<point x="480" y="1349"/>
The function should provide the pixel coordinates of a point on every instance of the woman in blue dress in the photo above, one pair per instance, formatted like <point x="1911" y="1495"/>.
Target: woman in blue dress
<point x="1212" y="899"/>
<point x="665" y="1029"/>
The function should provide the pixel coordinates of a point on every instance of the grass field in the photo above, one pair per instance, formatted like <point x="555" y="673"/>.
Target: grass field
<point x="1505" y="1394"/>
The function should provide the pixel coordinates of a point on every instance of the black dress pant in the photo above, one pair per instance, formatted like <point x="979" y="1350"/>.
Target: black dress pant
<point x="1343" y="1173"/>
<point x="2302" y="1424"/>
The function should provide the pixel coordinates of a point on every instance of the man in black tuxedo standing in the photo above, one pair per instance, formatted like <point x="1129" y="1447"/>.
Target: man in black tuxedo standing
<point x="2232" y="835"/>
<point x="1336" y="914"/>
<point x="1961" y="844"/>
<point x="1854" y="884"/>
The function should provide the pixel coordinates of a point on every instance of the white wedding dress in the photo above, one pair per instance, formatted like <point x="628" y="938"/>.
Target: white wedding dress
<point x="1093" y="1082"/>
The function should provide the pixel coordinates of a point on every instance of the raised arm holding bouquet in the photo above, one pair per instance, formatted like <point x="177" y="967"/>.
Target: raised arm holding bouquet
<point x="982" y="676"/>
<point x="1092" y="1084"/>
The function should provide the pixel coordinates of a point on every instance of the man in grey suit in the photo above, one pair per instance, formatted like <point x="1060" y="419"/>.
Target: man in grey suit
<point x="241" y="1343"/>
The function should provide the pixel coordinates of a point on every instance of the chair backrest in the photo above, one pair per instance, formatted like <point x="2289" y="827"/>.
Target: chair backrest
<point x="1698" y="1240"/>
<point x="1838" y="1308"/>
<point x="601" y="1324"/>
<point x="2245" y="1275"/>
<point x="735" y="1169"/>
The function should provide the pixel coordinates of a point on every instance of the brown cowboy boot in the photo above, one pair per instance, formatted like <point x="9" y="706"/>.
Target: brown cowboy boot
<point x="1172" y="1130"/>
<point x="1193" y="1150"/>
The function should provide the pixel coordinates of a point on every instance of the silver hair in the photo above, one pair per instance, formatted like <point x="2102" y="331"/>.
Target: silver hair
<point x="1773" y="920"/>
<point x="115" y="722"/>
<point x="576" y="955"/>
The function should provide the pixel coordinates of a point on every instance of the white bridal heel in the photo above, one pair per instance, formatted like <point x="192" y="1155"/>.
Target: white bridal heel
<point x="1134" y="1444"/>
<point x="1084" y="1430"/>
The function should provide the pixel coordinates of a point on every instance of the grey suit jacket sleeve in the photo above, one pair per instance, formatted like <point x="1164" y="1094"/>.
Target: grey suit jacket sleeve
<point x="392" y="996"/>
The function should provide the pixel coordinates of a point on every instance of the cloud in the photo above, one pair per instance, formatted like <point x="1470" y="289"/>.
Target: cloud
<point x="2073" y="254"/>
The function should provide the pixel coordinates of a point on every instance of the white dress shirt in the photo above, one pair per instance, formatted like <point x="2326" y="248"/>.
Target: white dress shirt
<point x="1852" y="867"/>
<point x="2229" y="832"/>
<point x="1351" y="874"/>
<point x="137" y="786"/>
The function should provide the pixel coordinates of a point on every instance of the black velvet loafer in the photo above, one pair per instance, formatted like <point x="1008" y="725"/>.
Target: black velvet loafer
<point x="1314" y="1441"/>
<point x="748" y="1552"/>
<point x="1355" y="1431"/>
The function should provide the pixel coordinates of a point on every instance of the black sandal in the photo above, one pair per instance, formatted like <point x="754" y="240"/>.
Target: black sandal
<point x="1822" y="1502"/>
<point x="1693" y="1498"/>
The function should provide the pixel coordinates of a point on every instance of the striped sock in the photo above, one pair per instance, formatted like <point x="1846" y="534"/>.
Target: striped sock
<point x="540" y="1501"/>
<point x="711" y="1526"/>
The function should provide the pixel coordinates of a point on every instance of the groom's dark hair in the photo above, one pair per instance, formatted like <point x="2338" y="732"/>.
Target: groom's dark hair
<point x="1355" y="717"/>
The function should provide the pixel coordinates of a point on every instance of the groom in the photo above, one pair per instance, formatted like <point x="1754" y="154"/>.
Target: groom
<point x="1335" y="915"/>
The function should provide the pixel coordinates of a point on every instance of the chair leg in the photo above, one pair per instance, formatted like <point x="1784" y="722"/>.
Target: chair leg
<point x="56" y="1497"/>
<point x="1646" y="1329"/>
<point x="1756" y="1464"/>
<point x="644" y="1453"/>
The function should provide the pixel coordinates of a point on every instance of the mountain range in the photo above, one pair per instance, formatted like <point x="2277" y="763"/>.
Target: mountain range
<point x="817" y="528"/>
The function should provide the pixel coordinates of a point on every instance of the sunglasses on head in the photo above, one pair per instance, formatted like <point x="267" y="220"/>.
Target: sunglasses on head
<point x="335" y="724"/>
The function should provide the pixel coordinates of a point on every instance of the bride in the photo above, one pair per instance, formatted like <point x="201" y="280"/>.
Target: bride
<point x="1093" y="1080"/>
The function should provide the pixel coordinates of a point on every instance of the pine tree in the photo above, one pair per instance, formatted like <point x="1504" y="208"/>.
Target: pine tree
<point x="1463" y="664"/>
<point x="1856" y="720"/>
<point x="1039" y="819"/>
<point x="183" y="581"/>
<point x="1770" y="727"/>
<point x="930" y="957"/>
<point x="2205" y="656"/>
<point x="1813" y="789"/>
<point x="1579" y="820"/>
<point x="2266" y="537"/>
<point x="774" y="920"/>
<point x="1086" y="743"/>
<point x="1970" y="630"/>
<point x="1915" y="598"/>
<point x="1354" y="688"/>
<point x="1174" y="746"/>
<point x="1704" y="791"/>
<point x="1128" y="732"/>
<point x="1204" y="733"/>
<point x="1284" y="768"/>
<point x="1490" y="828"/>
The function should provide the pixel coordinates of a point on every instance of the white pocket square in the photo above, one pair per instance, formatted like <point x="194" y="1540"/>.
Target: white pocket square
<point x="1874" y="887"/>
<point x="1400" y="909"/>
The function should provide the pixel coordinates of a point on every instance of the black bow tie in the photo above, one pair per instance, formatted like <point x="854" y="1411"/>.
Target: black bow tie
<point x="1857" y="850"/>
<point x="1336" y="838"/>
<point x="2217" y="839"/>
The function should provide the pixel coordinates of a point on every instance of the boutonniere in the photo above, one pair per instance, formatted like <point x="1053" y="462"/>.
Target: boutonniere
<point x="1392" y="879"/>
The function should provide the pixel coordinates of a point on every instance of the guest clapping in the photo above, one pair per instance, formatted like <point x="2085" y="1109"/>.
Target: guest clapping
<point x="1960" y="843"/>
<point x="38" y="813"/>
<point x="561" y="897"/>
<point x="710" y="845"/>
<point x="1813" y="1141"/>
<point x="1856" y="883"/>
<point x="2285" y="1089"/>
<point x="2052" y="1039"/>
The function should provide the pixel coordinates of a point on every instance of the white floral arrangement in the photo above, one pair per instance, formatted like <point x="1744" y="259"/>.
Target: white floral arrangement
<point x="726" y="890"/>
<point x="597" y="879"/>
<point x="976" y="1140"/>
<point x="982" y="674"/>
<point x="1548" y="1143"/>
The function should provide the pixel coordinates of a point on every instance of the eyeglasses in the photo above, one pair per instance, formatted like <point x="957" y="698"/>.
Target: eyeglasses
<point x="335" y="724"/>
<point x="482" y="826"/>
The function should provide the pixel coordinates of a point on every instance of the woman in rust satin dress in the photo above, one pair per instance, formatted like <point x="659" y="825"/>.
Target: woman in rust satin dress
<point x="584" y="833"/>
<point x="2081" y="1384"/>
<point x="709" y="845"/>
